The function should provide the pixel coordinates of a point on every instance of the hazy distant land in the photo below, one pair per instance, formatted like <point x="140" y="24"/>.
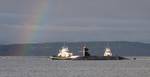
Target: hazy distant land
<point x="122" y="48"/>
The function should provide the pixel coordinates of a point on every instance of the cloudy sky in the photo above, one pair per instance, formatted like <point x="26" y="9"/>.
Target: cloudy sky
<point x="26" y="21"/>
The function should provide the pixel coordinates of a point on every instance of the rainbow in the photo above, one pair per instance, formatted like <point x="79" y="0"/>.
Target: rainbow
<point x="39" y="12"/>
<point x="37" y="18"/>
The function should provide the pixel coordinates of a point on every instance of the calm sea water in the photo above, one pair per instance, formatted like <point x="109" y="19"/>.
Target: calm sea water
<point x="25" y="66"/>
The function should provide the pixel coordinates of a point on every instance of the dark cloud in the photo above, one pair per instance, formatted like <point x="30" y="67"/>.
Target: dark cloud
<point x="102" y="8"/>
<point x="75" y="20"/>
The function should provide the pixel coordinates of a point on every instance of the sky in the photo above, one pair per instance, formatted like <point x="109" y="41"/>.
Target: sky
<point x="37" y="21"/>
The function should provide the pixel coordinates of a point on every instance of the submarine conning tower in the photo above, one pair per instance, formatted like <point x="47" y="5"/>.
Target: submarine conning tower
<point x="85" y="51"/>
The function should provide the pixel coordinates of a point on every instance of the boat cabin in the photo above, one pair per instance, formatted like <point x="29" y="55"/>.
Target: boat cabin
<point x="64" y="52"/>
<point x="107" y="52"/>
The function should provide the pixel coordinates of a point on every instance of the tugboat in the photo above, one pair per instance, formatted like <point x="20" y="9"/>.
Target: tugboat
<point x="107" y="52"/>
<point x="109" y="56"/>
<point x="64" y="54"/>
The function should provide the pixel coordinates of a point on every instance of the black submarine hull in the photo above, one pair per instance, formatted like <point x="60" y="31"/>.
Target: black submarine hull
<point x="92" y="58"/>
<point x="101" y="58"/>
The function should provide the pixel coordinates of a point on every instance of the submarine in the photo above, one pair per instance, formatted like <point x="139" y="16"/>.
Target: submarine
<point x="66" y="54"/>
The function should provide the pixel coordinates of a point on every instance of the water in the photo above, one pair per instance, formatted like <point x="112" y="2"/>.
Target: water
<point x="25" y="66"/>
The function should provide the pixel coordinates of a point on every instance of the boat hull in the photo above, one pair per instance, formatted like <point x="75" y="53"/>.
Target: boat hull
<point x="60" y="58"/>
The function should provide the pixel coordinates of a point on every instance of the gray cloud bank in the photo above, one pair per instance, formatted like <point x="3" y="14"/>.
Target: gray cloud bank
<point x="77" y="20"/>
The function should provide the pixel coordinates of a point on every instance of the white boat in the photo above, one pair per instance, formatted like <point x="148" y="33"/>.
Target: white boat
<point x="107" y="52"/>
<point x="64" y="54"/>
